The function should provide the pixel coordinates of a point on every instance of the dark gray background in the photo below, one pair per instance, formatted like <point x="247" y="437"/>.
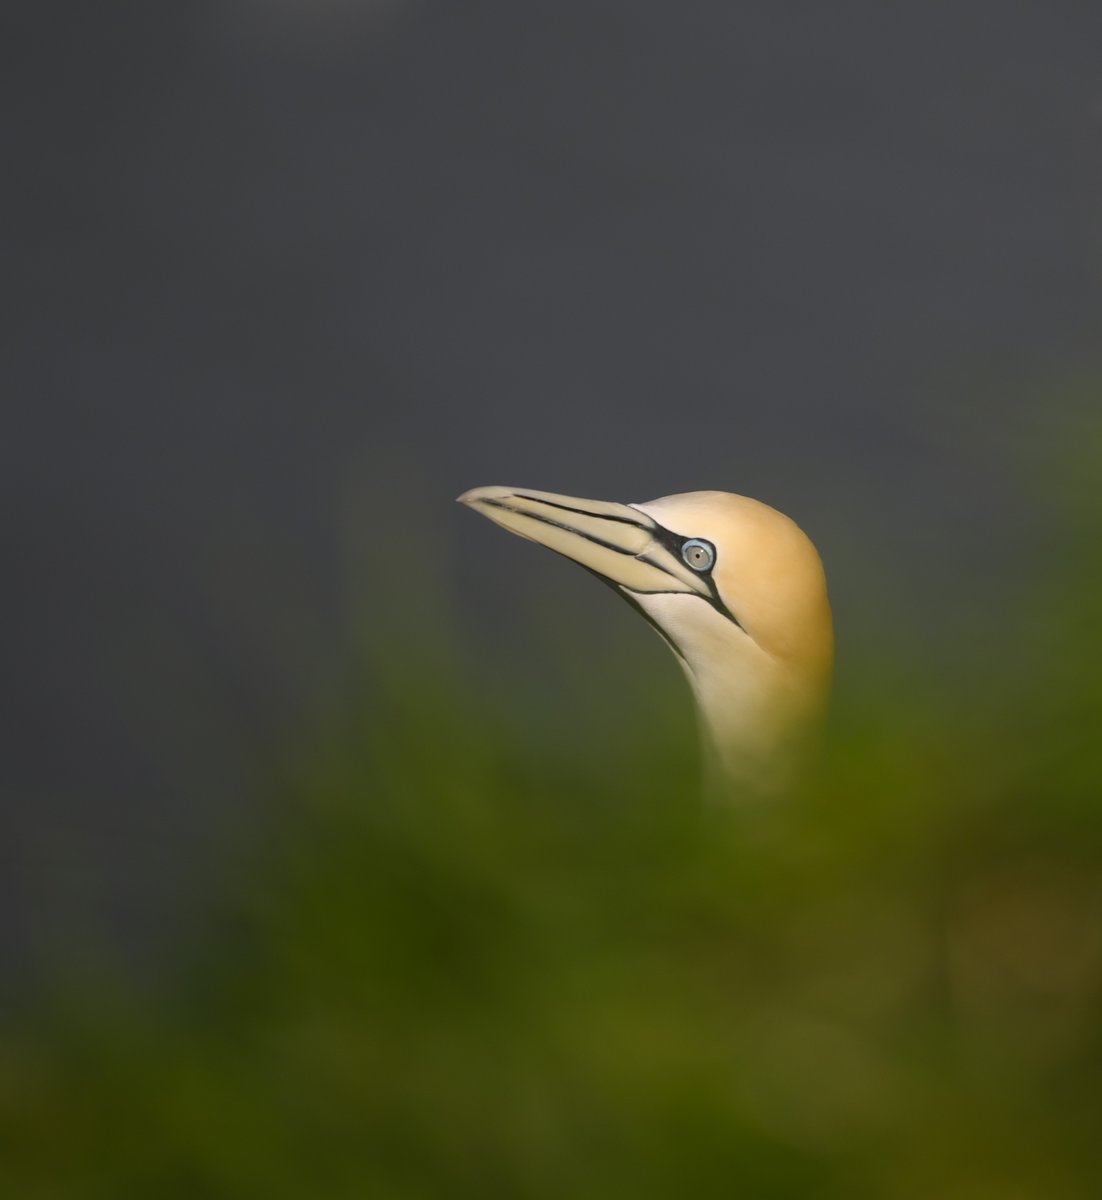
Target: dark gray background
<point x="281" y="278"/>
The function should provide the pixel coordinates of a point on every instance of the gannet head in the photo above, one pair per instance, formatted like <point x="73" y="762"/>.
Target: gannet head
<point x="736" y="589"/>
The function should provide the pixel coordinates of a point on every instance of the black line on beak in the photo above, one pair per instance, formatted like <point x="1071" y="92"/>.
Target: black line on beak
<point x="589" y="537"/>
<point x="583" y="512"/>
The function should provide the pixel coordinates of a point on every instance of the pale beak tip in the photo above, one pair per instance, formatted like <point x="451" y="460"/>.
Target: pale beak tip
<point x="475" y="495"/>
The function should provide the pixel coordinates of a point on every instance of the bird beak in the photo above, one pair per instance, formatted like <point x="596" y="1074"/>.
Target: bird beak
<point x="619" y="543"/>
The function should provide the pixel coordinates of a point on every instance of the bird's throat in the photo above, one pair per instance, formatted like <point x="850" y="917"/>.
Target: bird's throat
<point x="757" y="714"/>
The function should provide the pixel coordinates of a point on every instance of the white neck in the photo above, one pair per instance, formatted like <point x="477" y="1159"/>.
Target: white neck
<point x="753" y="714"/>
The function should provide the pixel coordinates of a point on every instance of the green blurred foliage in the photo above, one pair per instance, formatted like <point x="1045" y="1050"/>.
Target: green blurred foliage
<point x="492" y="942"/>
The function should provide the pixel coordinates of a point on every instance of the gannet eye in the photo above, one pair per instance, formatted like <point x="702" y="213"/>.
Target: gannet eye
<point x="698" y="554"/>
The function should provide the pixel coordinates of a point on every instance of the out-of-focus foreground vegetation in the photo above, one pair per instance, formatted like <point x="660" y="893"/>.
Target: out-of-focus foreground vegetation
<point x="482" y="953"/>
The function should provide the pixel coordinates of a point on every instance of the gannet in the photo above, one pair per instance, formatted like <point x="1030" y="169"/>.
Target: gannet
<point x="737" y="591"/>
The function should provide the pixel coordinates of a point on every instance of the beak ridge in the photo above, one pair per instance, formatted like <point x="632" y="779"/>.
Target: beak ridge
<point x="615" y="541"/>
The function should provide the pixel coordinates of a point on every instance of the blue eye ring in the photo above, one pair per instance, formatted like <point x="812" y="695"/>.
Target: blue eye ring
<point x="698" y="554"/>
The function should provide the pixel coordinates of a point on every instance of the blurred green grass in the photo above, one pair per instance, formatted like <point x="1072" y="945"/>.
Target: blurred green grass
<point x="491" y="942"/>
